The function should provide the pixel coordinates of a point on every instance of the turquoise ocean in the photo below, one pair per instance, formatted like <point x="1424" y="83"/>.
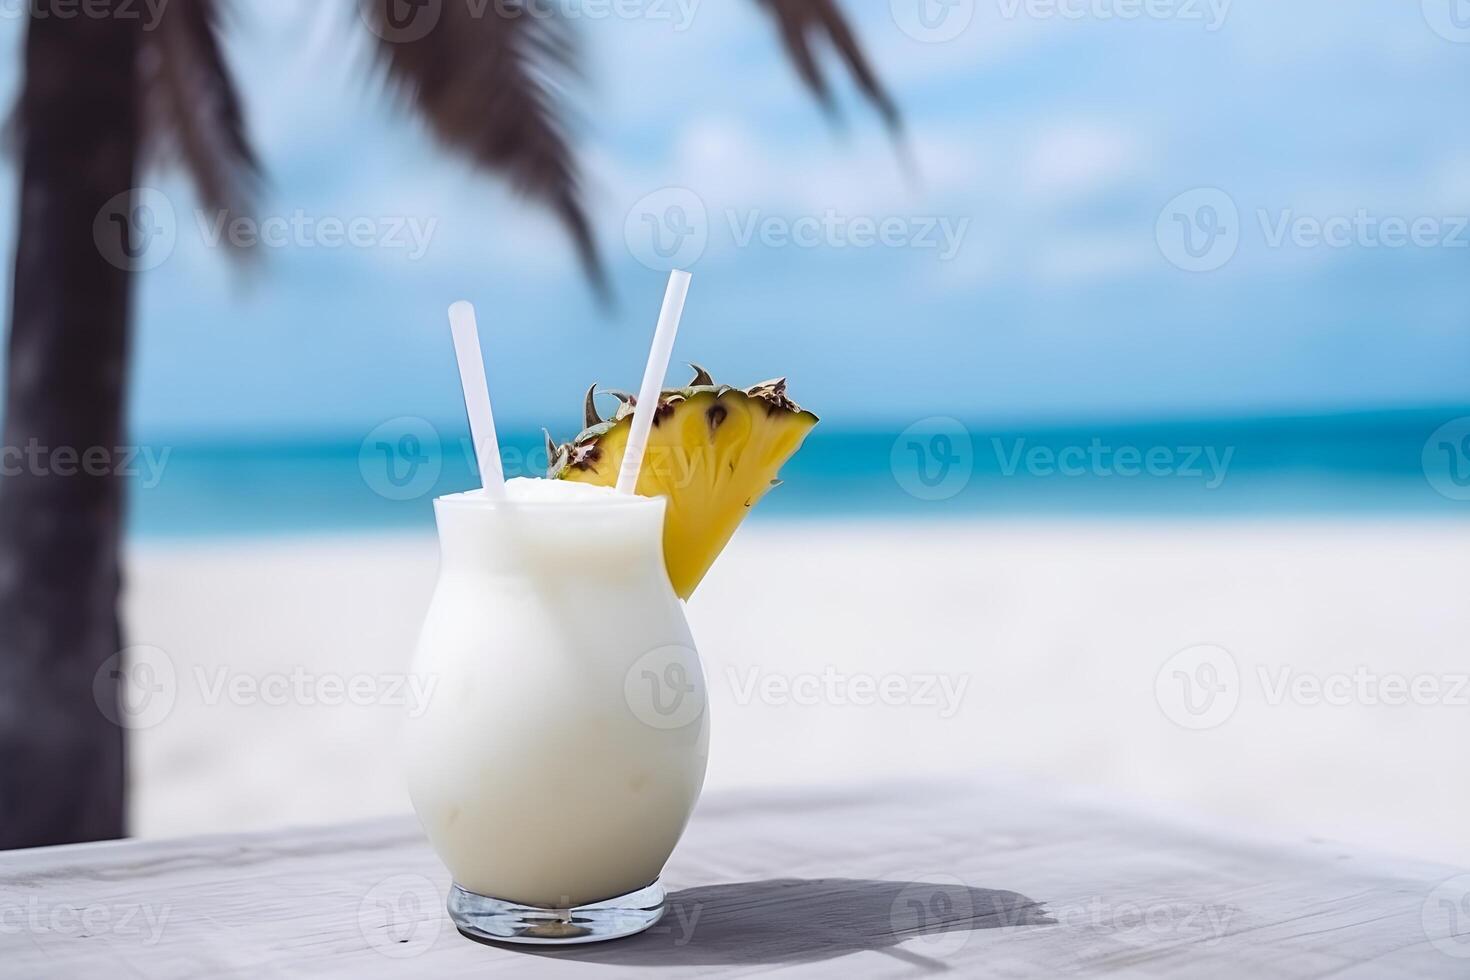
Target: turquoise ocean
<point x="1413" y="462"/>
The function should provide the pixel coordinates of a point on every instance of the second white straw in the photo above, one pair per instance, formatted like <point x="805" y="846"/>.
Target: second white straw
<point x="653" y="379"/>
<point x="477" y="397"/>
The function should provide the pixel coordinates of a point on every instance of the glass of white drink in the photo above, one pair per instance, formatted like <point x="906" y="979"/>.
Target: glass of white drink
<point x="565" y="747"/>
<point x="557" y="765"/>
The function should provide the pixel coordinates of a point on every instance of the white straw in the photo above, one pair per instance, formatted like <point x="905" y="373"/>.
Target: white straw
<point x="653" y="380"/>
<point x="477" y="396"/>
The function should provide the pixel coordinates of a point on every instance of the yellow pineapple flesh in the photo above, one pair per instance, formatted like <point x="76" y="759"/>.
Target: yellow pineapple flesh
<point x="713" y="453"/>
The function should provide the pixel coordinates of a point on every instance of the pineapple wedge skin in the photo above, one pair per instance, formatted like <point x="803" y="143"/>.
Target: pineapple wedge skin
<point x="713" y="453"/>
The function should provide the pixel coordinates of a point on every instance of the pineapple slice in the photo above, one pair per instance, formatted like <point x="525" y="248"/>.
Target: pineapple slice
<point x="714" y="451"/>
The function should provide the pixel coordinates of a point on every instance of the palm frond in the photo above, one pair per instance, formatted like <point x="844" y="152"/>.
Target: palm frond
<point x="799" y="21"/>
<point x="192" y="110"/>
<point x="487" y="78"/>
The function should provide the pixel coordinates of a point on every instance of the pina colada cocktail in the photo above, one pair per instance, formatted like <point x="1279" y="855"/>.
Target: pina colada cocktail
<point x="565" y="748"/>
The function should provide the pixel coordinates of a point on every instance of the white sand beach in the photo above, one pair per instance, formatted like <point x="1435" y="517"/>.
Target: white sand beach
<point x="841" y="653"/>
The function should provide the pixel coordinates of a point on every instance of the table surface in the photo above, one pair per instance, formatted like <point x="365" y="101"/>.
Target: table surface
<point x="991" y="881"/>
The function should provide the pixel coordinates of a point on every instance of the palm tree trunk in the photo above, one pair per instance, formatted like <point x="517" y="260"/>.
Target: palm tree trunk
<point x="61" y="753"/>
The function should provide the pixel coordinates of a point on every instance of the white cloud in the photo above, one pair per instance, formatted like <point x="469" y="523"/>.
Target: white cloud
<point x="1077" y="159"/>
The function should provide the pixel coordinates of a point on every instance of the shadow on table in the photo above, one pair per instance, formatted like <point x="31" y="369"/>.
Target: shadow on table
<point x="794" y="920"/>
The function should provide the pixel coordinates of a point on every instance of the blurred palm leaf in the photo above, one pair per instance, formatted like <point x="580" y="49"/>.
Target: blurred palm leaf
<point x="803" y="21"/>
<point x="191" y="108"/>
<point x="487" y="82"/>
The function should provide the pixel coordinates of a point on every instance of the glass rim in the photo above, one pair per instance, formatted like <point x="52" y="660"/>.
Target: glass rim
<point x="478" y="499"/>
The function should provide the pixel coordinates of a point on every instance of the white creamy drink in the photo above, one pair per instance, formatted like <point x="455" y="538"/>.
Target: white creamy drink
<point x="565" y="745"/>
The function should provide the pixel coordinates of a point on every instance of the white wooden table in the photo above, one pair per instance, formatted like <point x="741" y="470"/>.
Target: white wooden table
<point x="894" y="881"/>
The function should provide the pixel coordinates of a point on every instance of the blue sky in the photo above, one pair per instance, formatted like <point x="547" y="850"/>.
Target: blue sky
<point x="1049" y="143"/>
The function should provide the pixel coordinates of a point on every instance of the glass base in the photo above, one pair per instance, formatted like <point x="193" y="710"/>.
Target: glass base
<point x="480" y="917"/>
